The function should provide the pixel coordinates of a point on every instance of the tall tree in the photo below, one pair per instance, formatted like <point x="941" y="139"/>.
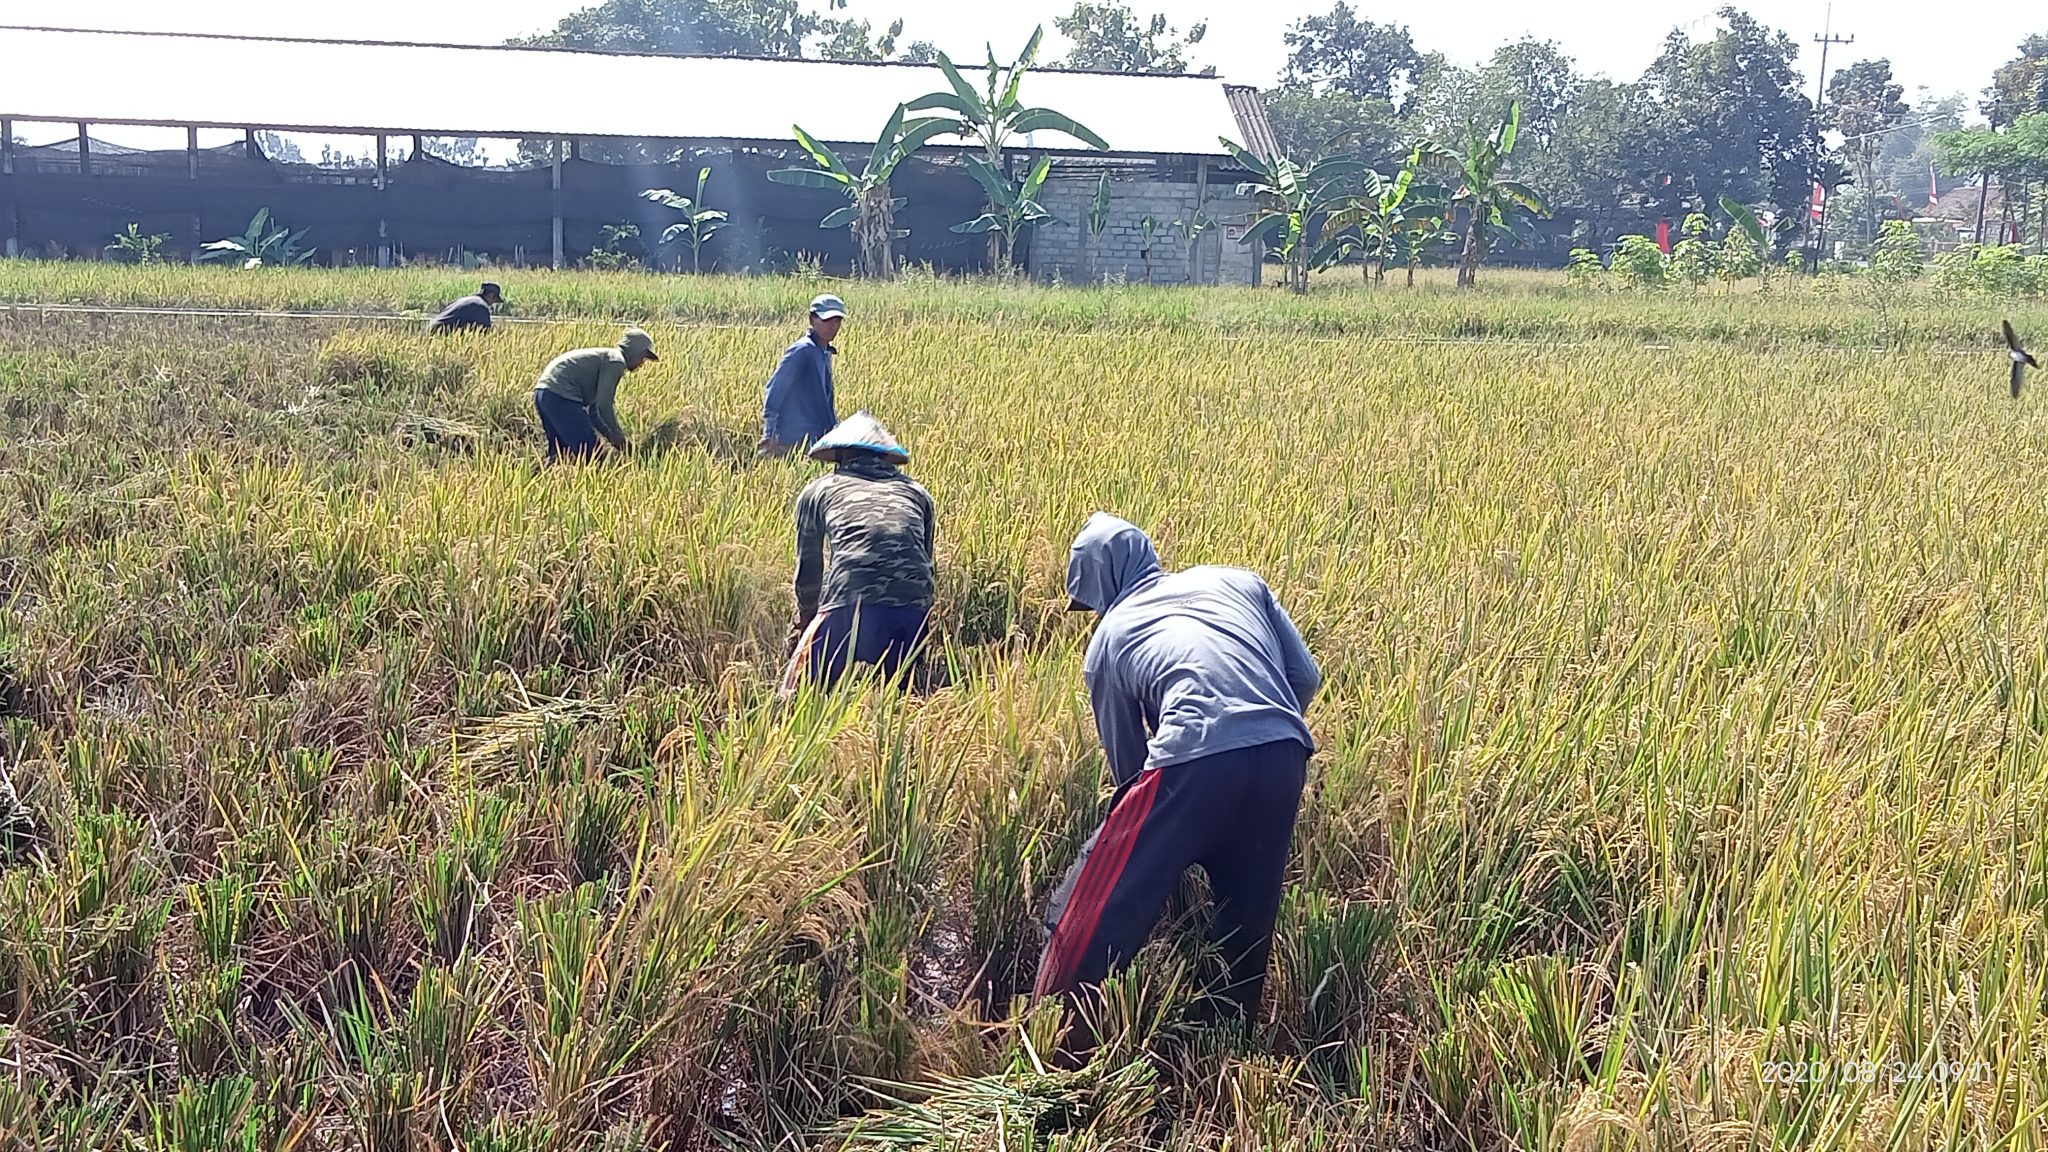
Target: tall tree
<point x="1360" y="58"/>
<point x="1306" y="121"/>
<point x="1442" y="98"/>
<point x="467" y="150"/>
<point x="1730" y="118"/>
<point x="1110" y="38"/>
<point x="1863" y="104"/>
<point x="1592" y="163"/>
<point x="1533" y="73"/>
<point x="2019" y="86"/>
<point x="687" y="28"/>
<point x="2017" y="156"/>
<point x="856" y="40"/>
<point x="1906" y="158"/>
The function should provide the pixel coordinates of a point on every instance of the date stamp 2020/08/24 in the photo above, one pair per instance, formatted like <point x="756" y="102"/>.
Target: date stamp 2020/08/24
<point x="1887" y="1072"/>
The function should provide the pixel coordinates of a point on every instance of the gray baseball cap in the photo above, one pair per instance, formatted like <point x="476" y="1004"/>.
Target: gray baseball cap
<point x="827" y="306"/>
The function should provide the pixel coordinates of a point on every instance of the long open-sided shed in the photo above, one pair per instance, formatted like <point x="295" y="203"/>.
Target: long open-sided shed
<point x="597" y="128"/>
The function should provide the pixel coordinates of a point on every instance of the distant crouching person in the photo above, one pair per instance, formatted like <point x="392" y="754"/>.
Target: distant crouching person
<point x="471" y="313"/>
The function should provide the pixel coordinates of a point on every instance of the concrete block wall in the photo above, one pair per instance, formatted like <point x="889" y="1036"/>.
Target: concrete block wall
<point x="1062" y="250"/>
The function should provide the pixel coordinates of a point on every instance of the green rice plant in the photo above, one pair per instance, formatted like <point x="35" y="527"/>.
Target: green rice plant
<point x="386" y="1091"/>
<point x="596" y="827"/>
<point x="444" y="1021"/>
<point x="200" y="1017"/>
<point x="220" y="909"/>
<point x="452" y="903"/>
<point x="1330" y="958"/>
<point x="208" y="1116"/>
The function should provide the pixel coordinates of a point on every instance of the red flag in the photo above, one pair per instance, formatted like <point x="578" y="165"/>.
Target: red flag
<point x="1933" y="189"/>
<point x="1664" y="236"/>
<point x="1820" y="198"/>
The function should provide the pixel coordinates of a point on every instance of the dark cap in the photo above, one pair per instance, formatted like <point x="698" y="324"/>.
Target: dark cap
<point x="489" y="289"/>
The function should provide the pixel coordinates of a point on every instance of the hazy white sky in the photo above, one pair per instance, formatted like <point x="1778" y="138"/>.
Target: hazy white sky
<point x="1926" y="45"/>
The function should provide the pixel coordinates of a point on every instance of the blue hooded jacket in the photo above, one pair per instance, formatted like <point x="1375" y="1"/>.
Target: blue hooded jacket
<point x="1184" y="664"/>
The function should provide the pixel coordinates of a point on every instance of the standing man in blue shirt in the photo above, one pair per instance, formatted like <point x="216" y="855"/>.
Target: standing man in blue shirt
<point x="798" y="407"/>
<point x="1199" y="683"/>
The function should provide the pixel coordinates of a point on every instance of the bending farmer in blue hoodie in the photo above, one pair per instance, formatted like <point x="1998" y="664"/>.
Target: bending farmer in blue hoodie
<point x="1199" y="682"/>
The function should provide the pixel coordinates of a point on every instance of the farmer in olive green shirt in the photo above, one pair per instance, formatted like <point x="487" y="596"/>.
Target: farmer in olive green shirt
<point x="575" y="394"/>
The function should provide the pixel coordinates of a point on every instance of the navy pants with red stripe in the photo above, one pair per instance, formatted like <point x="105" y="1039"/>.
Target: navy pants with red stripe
<point x="1233" y="814"/>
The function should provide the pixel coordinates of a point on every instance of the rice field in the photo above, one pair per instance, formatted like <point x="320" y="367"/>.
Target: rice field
<point x="1681" y="780"/>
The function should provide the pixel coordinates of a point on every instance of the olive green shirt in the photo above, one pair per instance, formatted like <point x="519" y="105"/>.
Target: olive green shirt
<point x="590" y="377"/>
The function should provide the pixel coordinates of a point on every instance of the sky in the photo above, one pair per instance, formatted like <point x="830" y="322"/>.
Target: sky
<point x="1243" y="41"/>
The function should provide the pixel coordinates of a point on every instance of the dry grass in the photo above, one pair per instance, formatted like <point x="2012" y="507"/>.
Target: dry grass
<point x="381" y="790"/>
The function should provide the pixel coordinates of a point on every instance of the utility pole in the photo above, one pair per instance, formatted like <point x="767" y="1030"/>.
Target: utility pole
<point x="1826" y="37"/>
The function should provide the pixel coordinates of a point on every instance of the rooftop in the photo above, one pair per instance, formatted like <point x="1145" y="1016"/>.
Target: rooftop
<point x="331" y="86"/>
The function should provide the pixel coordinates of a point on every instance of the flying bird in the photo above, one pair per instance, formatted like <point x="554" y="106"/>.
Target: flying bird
<point x="2021" y="358"/>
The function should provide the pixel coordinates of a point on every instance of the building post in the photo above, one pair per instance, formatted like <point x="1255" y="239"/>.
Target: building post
<point x="555" y="195"/>
<point x="11" y="221"/>
<point x="1201" y="208"/>
<point x="383" y="225"/>
<point x="84" y="149"/>
<point x="192" y="179"/>
<point x="249" y="147"/>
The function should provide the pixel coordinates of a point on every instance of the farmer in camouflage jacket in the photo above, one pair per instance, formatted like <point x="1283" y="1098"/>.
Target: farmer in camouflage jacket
<point x="870" y="603"/>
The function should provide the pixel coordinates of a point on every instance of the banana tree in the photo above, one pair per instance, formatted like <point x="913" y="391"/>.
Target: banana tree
<point x="1013" y="209"/>
<point x="261" y="246"/>
<point x="1292" y="204"/>
<point x="1488" y="200"/>
<point x="1191" y="227"/>
<point x="1384" y="221"/>
<point x="1098" y="222"/>
<point x="1431" y="230"/>
<point x="1761" y="239"/>
<point x="993" y="115"/>
<point x="699" y="223"/>
<point x="871" y="212"/>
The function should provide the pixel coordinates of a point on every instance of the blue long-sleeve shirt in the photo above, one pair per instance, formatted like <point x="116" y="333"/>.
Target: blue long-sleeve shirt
<point x="468" y="312"/>
<point x="1186" y="664"/>
<point x="798" y="405"/>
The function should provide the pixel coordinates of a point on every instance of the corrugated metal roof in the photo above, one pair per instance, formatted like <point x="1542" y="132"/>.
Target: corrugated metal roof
<point x="1255" y="131"/>
<point x="457" y="90"/>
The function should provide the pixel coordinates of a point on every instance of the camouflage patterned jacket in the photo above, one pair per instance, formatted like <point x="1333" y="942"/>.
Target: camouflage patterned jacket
<point x="878" y="524"/>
